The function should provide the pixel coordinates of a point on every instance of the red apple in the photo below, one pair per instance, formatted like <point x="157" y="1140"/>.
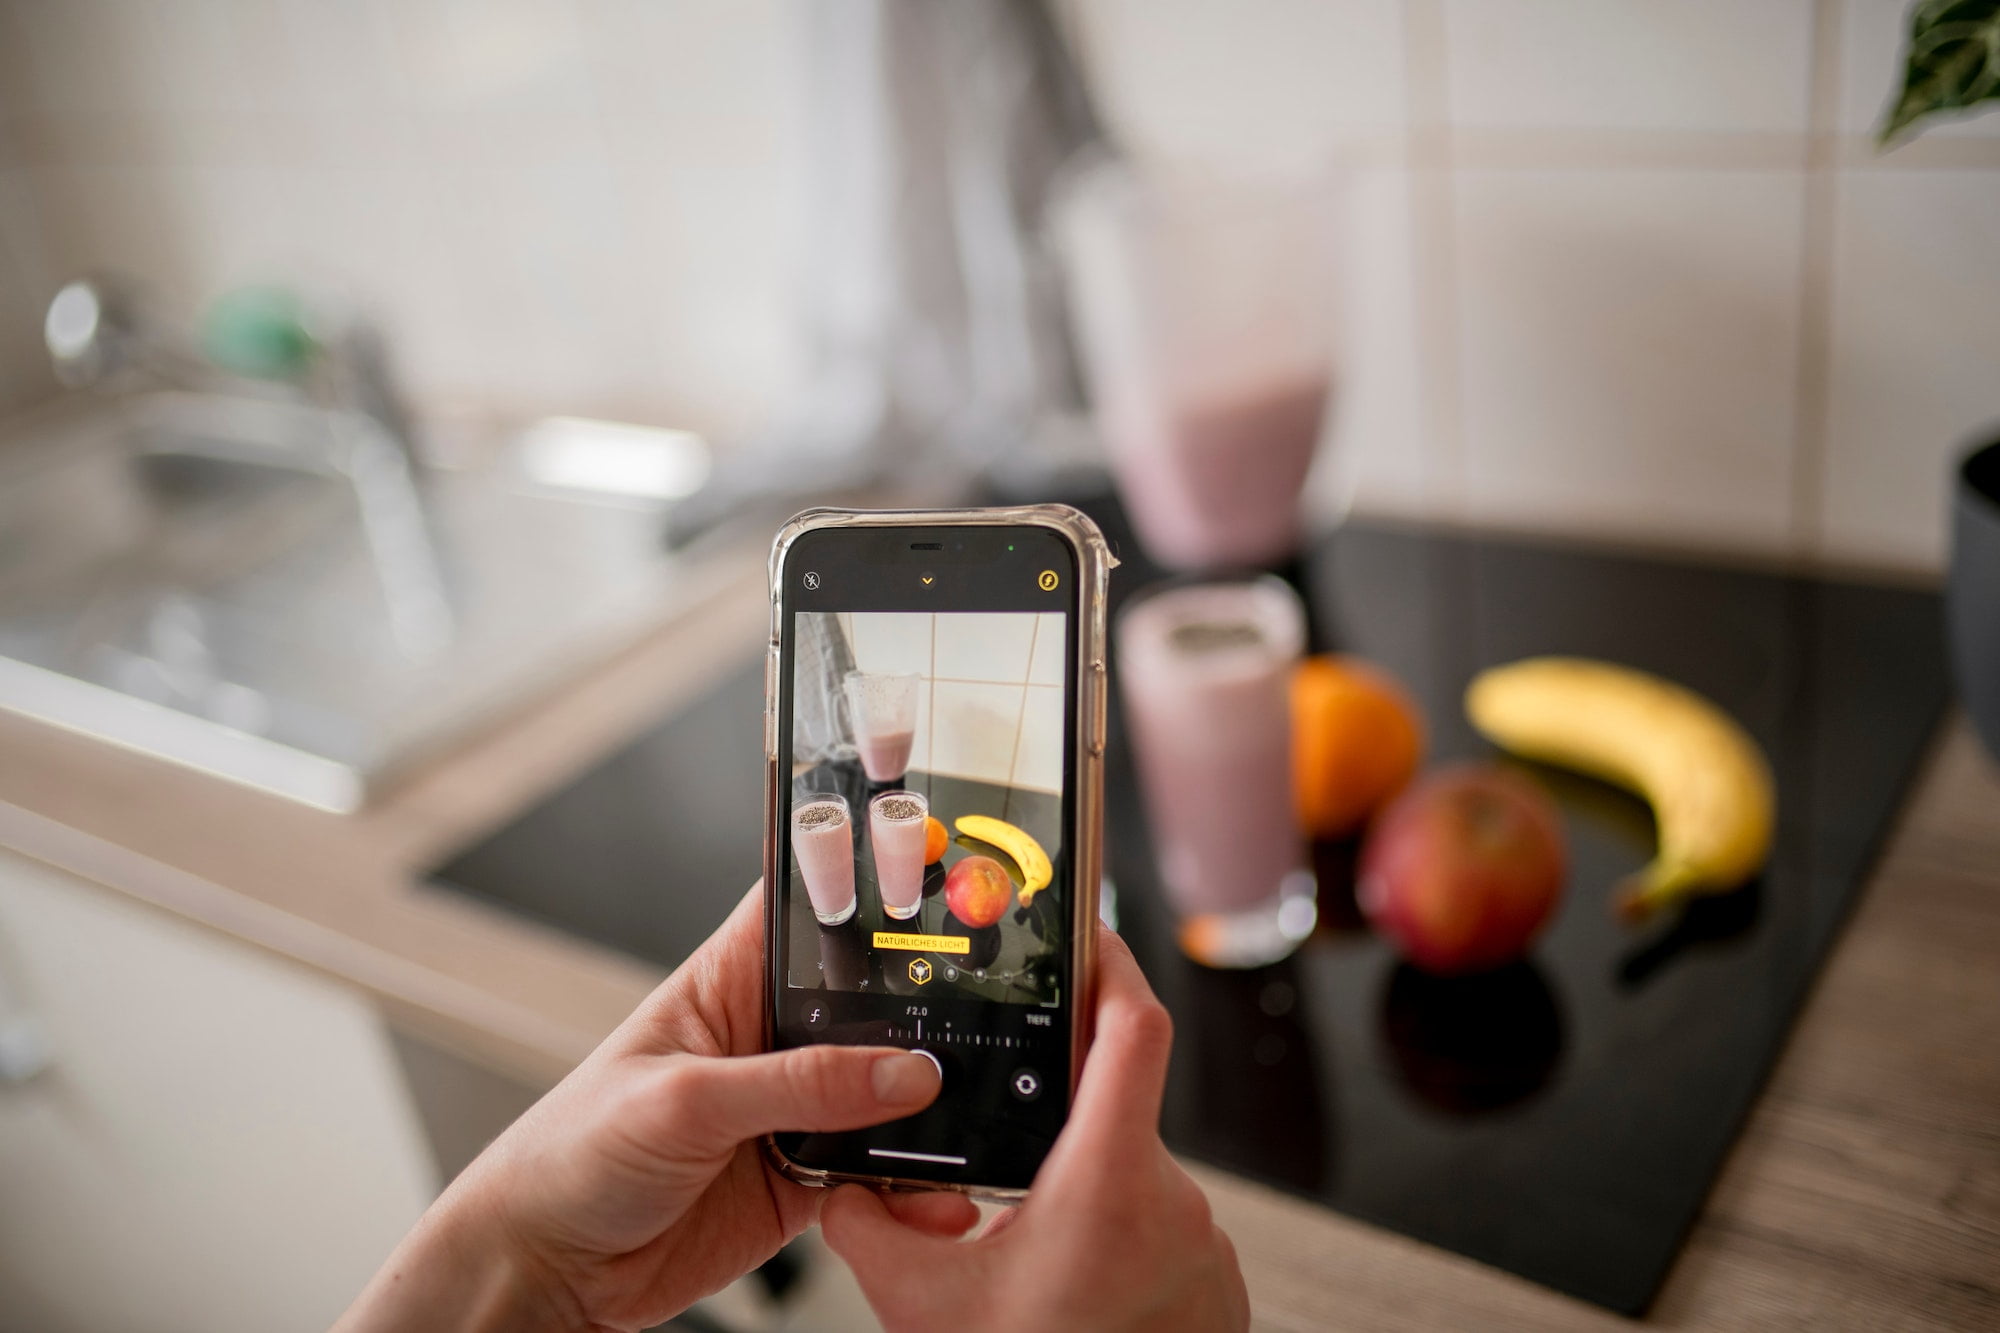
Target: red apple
<point x="1463" y="871"/>
<point x="978" y="891"/>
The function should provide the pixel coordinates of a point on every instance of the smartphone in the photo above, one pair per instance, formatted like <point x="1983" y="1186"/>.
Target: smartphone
<point x="934" y="739"/>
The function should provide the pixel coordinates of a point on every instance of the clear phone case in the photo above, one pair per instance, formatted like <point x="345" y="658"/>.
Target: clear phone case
<point x="1094" y="565"/>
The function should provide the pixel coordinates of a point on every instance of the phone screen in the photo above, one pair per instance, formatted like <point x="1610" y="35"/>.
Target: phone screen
<point x="927" y="706"/>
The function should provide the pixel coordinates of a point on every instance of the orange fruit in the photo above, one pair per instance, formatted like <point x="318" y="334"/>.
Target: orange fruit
<point x="934" y="839"/>
<point x="1357" y="738"/>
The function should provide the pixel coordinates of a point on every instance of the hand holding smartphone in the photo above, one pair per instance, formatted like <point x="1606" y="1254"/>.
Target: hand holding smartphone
<point x="888" y="708"/>
<point x="1117" y="1236"/>
<point x="934" y="741"/>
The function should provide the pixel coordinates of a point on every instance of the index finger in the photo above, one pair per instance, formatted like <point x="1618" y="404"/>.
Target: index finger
<point x="712" y="1003"/>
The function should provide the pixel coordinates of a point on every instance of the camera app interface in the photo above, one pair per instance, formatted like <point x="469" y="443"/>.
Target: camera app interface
<point x="926" y="813"/>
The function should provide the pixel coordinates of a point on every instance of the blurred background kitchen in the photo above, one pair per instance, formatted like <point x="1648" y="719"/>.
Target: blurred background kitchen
<point x="396" y="400"/>
<point x="600" y="210"/>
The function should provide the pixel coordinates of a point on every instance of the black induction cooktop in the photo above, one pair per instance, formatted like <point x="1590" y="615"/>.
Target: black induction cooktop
<point x="1561" y="1118"/>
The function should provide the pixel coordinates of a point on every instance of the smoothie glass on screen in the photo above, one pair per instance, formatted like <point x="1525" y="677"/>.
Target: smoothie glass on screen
<point x="1205" y="314"/>
<point x="896" y="822"/>
<point x="823" y="841"/>
<point x="1204" y="670"/>
<point x="883" y="709"/>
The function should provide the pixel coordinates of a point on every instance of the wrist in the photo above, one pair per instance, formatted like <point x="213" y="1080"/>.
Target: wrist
<point x="462" y="1268"/>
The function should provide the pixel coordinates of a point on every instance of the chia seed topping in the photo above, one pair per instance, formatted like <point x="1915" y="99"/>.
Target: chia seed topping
<point x="899" y="807"/>
<point x="813" y="816"/>
<point x="1210" y="636"/>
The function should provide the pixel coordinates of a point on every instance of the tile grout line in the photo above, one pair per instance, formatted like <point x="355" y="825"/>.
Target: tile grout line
<point x="1433" y="205"/>
<point x="1813" y="389"/>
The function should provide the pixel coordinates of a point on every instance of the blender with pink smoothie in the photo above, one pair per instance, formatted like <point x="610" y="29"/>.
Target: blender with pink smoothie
<point x="883" y="709"/>
<point x="896" y="822"/>
<point x="1214" y="481"/>
<point x="823" y="842"/>
<point x="1204" y="670"/>
<point x="1205" y="314"/>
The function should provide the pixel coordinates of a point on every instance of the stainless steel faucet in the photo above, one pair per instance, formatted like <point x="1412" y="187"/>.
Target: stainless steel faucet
<point x="100" y="337"/>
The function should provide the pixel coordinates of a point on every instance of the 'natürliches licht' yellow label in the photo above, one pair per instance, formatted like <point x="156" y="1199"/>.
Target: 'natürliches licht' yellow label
<point x="886" y="939"/>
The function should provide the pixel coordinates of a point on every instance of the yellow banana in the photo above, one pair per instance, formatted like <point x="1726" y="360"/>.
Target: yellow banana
<point x="1036" y="872"/>
<point x="1706" y="779"/>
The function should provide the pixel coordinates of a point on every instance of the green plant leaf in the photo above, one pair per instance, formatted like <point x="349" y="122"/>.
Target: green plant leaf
<point x="1953" y="61"/>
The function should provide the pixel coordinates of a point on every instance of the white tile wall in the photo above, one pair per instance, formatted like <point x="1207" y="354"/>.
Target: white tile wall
<point x="1915" y="366"/>
<point x="922" y="751"/>
<point x="1257" y="84"/>
<point x="984" y="647"/>
<point x="1601" y="278"/>
<point x="975" y="729"/>
<point x="24" y="375"/>
<point x="1369" y="455"/>
<point x="1728" y="65"/>
<point x="554" y="206"/>
<point x="1046" y="665"/>
<point x="70" y="59"/>
<point x="1629" y="343"/>
<point x="891" y="642"/>
<point x="1038" y="759"/>
<point x="1589" y="303"/>
<point x="111" y="217"/>
<point x="990" y="723"/>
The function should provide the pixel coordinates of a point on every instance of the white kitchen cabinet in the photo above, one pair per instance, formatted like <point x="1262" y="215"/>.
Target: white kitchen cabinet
<point x="221" y="1140"/>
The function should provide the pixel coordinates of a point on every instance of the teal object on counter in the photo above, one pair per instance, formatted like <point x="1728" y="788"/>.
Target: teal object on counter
<point x="260" y="332"/>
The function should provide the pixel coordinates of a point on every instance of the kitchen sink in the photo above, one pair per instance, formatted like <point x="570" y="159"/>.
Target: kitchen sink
<point x="217" y="580"/>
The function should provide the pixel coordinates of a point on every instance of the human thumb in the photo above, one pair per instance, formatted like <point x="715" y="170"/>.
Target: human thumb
<point x="902" y="1270"/>
<point x="723" y="1101"/>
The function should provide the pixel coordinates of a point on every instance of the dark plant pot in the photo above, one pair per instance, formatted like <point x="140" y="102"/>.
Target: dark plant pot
<point x="1972" y="593"/>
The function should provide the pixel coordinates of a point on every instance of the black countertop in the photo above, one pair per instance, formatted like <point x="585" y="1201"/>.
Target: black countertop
<point x="1562" y="1118"/>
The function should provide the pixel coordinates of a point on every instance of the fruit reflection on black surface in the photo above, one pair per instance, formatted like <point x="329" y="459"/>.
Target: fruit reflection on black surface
<point x="984" y="941"/>
<point x="1472" y="1044"/>
<point x="1334" y="861"/>
<point x="1711" y="919"/>
<point x="1245" y="1055"/>
<point x="844" y="957"/>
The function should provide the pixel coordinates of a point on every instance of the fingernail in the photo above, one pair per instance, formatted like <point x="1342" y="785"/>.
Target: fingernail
<point x="904" y="1078"/>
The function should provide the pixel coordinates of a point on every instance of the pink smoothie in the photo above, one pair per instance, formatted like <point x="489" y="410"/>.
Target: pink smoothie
<point x="1215" y="481"/>
<point x="896" y="828"/>
<point x="823" y="841"/>
<point x="882" y="706"/>
<point x="885" y="758"/>
<point x="1205" y="672"/>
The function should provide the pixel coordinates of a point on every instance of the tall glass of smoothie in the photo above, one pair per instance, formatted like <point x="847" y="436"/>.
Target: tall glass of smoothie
<point x="1206" y="314"/>
<point x="823" y="842"/>
<point x="896" y="830"/>
<point x="883" y="709"/>
<point x="1203" y="670"/>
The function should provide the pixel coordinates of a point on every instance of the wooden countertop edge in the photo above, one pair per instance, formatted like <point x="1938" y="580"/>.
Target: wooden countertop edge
<point x="521" y="1038"/>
